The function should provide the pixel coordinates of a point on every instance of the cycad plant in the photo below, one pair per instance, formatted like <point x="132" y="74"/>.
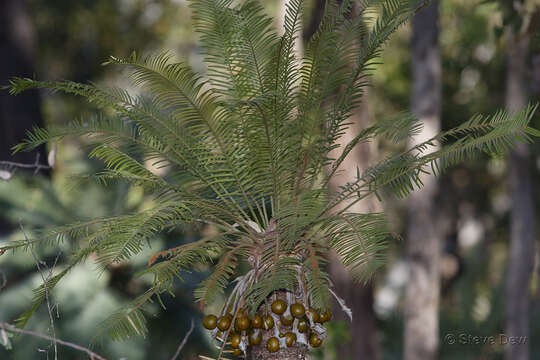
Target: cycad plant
<point x="246" y="148"/>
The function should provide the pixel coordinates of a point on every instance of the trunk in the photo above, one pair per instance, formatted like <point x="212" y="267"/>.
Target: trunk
<point x="296" y="352"/>
<point x="18" y="114"/>
<point x="522" y="207"/>
<point x="359" y="297"/>
<point x="259" y="352"/>
<point x="363" y="329"/>
<point x="315" y="19"/>
<point x="363" y="341"/>
<point x="423" y="243"/>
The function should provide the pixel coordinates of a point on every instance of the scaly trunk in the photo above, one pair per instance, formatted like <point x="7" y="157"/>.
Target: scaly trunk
<point x="423" y="243"/>
<point x="296" y="352"/>
<point x="522" y="207"/>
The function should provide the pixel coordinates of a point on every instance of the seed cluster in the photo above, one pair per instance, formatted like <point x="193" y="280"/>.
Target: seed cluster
<point x="305" y="325"/>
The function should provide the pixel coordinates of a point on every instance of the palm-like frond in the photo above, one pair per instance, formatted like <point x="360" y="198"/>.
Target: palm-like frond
<point x="245" y="146"/>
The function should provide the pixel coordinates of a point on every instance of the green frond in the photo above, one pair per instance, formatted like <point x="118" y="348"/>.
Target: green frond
<point x="216" y="283"/>
<point x="359" y="240"/>
<point x="128" y="321"/>
<point x="168" y="265"/>
<point x="236" y="42"/>
<point x="127" y="238"/>
<point x="316" y="278"/>
<point x="101" y="97"/>
<point x="298" y="214"/>
<point x="40" y="293"/>
<point x="280" y="274"/>
<point x="401" y="174"/>
<point x="57" y="235"/>
<point x="124" y="324"/>
<point x="392" y="15"/>
<point x="395" y="129"/>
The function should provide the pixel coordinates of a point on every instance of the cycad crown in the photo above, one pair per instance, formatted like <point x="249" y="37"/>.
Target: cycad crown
<point x="246" y="147"/>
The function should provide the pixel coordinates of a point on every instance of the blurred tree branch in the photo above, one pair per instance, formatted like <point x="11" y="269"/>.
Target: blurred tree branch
<point x="11" y="328"/>
<point x="184" y="341"/>
<point x="11" y="166"/>
<point x="45" y="279"/>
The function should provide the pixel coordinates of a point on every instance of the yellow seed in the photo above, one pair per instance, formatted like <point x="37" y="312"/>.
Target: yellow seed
<point x="242" y="323"/>
<point x="224" y="323"/>
<point x="235" y="340"/>
<point x="286" y="320"/>
<point x="272" y="344"/>
<point x="315" y="340"/>
<point x="268" y="322"/>
<point x="255" y="337"/>
<point x="290" y="339"/>
<point x="210" y="322"/>
<point x="256" y="322"/>
<point x="237" y="352"/>
<point x="303" y="325"/>
<point x="314" y="315"/>
<point x="298" y="310"/>
<point x="325" y="316"/>
<point x="279" y="306"/>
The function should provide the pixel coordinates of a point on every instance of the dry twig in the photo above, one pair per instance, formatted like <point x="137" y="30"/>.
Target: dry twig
<point x="11" y="166"/>
<point x="14" y="329"/>
<point x="45" y="280"/>
<point x="175" y="356"/>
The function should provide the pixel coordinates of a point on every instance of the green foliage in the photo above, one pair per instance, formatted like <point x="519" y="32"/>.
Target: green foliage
<point x="245" y="147"/>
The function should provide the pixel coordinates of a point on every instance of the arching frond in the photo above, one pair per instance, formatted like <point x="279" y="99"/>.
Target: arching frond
<point x="359" y="240"/>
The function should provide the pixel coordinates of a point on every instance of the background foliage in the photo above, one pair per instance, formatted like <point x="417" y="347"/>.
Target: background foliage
<point x="77" y="36"/>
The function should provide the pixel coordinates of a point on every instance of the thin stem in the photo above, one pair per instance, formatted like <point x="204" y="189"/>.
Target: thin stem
<point x="11" y="328"/>
<point x="24" y="166"/>
<point x="175" y="356"/>
<point x="36" y="165"/>
<point x="45" y="287"/>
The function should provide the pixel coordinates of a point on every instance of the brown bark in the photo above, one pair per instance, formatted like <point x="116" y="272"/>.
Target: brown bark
<point x="520" y="262"/>
<point x="423" y="243"/>
<point x="259" y="352"/>
<point x="296" y="352"/>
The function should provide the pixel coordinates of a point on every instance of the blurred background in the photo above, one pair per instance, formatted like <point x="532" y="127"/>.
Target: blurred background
<point x="464" y="236"/>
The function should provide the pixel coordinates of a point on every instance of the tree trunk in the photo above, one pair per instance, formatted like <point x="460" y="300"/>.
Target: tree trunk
<point x="259" y="352"/>
<point x="423" y="243"/>
<point x="296" y="352"/>
<point x="363" y="329"/>
<point x="359" y="297"/>
<point x="522" y="208"/>
<point x="18" y="114"/>
<point x="315" y="19"/>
